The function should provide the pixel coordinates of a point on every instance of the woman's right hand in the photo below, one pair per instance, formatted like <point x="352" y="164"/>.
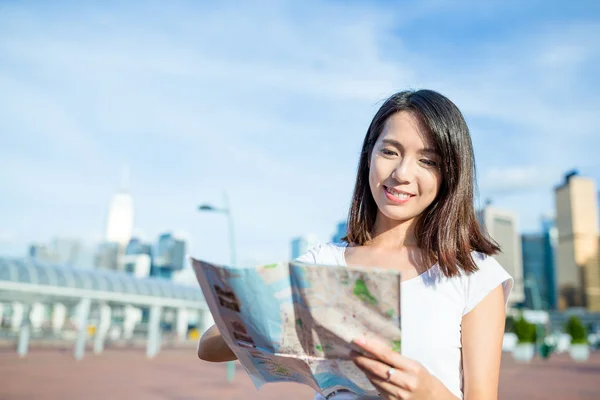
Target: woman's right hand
<point x="213" y="348"/>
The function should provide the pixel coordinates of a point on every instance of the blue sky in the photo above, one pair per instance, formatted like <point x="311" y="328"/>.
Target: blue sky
<point x="270" y="102"/>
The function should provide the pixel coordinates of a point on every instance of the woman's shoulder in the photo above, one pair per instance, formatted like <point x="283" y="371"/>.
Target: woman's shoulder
<point x="331" y="253"/>
<point x="488" y="276"/>
<point x="486" y="265"/>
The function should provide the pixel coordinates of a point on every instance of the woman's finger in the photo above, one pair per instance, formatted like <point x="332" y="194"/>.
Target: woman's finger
<point x="385" y="354"/>
<point x="386" y="389"/>
<point x="385" y="373"/>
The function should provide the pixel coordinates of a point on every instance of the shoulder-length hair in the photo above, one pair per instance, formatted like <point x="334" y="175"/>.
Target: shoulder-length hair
<point x="448" y="230"/>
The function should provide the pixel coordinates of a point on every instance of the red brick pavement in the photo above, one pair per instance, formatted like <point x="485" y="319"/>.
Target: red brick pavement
<point x="178" y="374"/>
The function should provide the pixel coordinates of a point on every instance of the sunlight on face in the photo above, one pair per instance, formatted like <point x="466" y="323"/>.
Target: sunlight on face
<point x="404" y="174"/>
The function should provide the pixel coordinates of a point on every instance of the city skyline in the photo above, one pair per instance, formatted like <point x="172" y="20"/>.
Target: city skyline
<point x="539" y="267"/>
<point x="275" y="114"/>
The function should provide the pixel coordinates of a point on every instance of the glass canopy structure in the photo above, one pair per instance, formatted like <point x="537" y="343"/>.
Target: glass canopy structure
<point x="27" y="281"/>
<point x="31" y="279"/>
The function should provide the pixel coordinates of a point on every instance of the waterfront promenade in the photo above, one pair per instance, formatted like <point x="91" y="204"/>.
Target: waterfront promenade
<point x="176" y="373"/>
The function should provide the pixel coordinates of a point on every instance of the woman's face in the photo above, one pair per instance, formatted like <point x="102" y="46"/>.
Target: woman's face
<point x="404" y="173"/>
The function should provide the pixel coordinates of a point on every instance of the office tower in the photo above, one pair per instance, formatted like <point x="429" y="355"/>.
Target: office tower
<point x="577" y="222"/>
<point x="340" y="232"/>
<point x="136" y="246"/>
<point x="302" y="244"/>
<point x="502" y="226"/>
<point x="137" y="260"/>
<point x="539" y="267"/>
<point x="169" y="256"/>
<point x="43" y="253"/>
<point x="68" y="251"/>
<point x="119" y="223"/>
<point x="108" y="256"/>
<point x="550" y="234"/>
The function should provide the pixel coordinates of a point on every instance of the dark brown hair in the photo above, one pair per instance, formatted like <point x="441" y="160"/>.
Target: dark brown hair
<point x="447" y="231"/>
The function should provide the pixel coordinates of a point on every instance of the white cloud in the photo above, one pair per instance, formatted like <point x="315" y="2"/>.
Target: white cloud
<point x="511" y="179"/>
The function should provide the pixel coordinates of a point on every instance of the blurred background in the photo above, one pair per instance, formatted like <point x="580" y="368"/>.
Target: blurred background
<point x="136" y="134"/>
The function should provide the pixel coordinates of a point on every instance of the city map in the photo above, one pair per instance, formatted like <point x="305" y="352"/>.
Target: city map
<point x="294" y="322"/>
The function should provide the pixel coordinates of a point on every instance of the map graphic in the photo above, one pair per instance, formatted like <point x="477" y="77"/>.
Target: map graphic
<point x="295" y="322"/>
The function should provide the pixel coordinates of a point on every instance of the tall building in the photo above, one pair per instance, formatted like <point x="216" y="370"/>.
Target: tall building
<point x="502" y="226"/>
<point x="340" y="232"/>
<point x="534" y="279"/>
<point x="169" y="256"/>
<point x="539" y="267"/>
<point x="119" y="222"/>
<point x="302" y="244"/>
<point x="137" y="260"/>
<point x="108" y="256"/>
<point x="577" y="262"/>
<point x="550" y="233"/>
<point x="69" y="252"/>
<point x="43" y="253"/>
<point x="136" y="246"/>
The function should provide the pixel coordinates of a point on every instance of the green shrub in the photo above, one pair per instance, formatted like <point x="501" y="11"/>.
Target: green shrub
<point x="525" y="331"/>
<point x="575" y="328"/>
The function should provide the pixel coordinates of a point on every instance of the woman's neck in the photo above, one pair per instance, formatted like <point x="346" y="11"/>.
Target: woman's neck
<point x="389" y="234"/>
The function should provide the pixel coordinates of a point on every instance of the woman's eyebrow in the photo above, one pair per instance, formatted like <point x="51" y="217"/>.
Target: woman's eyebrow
<point x="392" y="142"/>
<point x="430" y="151"/>
<point x="426" y="150"/>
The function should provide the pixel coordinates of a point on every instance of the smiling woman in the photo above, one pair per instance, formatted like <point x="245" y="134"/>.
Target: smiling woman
<point x="403" y="168"/>
<point x="412" y="211"/>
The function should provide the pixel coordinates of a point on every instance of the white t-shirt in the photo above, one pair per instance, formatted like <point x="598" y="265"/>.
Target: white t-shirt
<point x="432" y="310"/>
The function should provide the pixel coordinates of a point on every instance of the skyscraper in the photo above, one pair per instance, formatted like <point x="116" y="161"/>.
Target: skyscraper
<point x="577" y="222"/>
<point x="302" y="244"/>
<point x="43" y="253"/>
<point x="532" y="245"/>
<point x="539" y="267"/>
<point x="502" y="226"/>
<point x="119" y="222"/>
<point x="64" y="251"/>
<point x="67" y="250"/>
<point x="169" y="256"/>
<point x="550" y="234"/>
<point x="108" y="256"/>
<point x="138" y="258"/>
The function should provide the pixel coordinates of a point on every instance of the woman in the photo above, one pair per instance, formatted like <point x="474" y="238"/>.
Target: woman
<point x="412" y="211"/>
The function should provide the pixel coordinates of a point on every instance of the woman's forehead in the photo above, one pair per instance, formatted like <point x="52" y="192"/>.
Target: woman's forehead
<point x="407" y="129"/>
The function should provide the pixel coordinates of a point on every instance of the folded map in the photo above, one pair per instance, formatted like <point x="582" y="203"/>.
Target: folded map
<point x="295" y="322"/>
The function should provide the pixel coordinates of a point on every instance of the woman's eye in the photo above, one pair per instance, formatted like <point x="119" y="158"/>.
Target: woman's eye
<point x="389" y="152"/>
<point x="429" y="163"/>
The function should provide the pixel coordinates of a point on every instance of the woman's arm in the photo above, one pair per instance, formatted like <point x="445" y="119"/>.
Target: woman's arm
<point x="213" y="348"/>
<point x="482" y="333"/>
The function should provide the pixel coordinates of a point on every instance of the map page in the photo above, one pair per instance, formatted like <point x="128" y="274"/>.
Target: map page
<point x="295" y="322"/>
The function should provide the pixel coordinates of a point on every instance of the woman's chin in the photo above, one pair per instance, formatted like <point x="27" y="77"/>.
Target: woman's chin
<point x="396" y="218"/>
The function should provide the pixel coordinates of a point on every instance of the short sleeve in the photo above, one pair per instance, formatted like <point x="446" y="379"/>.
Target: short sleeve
<point x="324" y="254"/>
<point x="309" y="257"/>
<point x="480" y="283"/>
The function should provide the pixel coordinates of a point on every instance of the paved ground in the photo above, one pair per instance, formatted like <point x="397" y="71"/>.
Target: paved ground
<point x="178" y="374"/>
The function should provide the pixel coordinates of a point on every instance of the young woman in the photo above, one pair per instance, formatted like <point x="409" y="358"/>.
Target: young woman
<point x="412" y="211"/>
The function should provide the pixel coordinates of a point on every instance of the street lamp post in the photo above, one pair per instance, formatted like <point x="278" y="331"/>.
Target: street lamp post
<point x="227" y="211"/>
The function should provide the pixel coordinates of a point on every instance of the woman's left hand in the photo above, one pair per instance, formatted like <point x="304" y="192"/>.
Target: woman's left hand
<point x="395" y="376"/>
